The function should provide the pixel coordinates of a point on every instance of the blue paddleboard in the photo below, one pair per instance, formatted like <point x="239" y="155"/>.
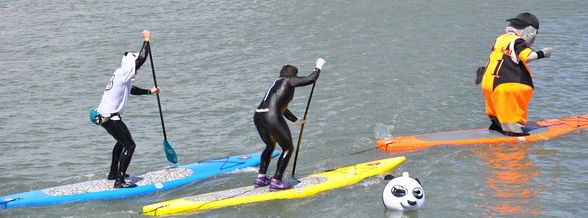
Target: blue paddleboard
<point x="147" y="183"/>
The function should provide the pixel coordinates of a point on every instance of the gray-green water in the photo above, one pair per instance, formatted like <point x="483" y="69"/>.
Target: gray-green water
<point x="406" y="63"/>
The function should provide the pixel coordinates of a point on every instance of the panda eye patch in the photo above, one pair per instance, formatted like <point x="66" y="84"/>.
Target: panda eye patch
<point x="417" y="192"/>
<point x="398" y="191"/>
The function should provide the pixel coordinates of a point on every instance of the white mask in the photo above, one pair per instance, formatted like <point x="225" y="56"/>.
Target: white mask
<point x="528" y="34"/>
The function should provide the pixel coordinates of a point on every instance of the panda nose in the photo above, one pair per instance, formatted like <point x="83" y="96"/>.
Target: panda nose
<point x="412" y="203"/>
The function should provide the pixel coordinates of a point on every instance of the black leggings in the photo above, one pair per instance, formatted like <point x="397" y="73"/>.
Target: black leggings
<point x="274" y="129"/>
<point x="123" y="149"/>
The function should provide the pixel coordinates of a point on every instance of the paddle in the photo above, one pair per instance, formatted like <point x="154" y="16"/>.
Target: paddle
<point x="362" y="151"/>
<point x="170" y="153"/>
<point x="302" y="130"/>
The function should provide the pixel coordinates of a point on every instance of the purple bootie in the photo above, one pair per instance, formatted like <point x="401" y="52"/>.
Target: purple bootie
<point x="261" y="181"/>
<point x="277" y="185"/>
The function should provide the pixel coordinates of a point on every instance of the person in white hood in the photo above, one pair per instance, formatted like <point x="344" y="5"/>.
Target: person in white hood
<point x="113" y="105"/>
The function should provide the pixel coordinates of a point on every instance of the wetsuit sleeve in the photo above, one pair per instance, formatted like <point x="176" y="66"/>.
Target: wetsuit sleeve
<point x="290" y="116"/>
<point x="139" y="91"/>
<point x="305" y="80"/>
<point x="142" y="55"/>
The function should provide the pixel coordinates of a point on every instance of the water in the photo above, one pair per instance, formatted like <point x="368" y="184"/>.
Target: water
<point x="406" y="63"/>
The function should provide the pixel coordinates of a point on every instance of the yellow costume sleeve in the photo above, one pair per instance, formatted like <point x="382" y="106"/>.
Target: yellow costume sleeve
<point x="524" y="54"/>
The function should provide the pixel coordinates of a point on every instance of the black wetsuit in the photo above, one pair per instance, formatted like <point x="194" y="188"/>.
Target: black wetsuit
<point x="125" y="145"/>
<point x="270" y="123"/>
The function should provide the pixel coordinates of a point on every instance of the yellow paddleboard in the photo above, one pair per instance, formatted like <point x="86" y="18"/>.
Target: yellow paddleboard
<point x="309" y="185"/>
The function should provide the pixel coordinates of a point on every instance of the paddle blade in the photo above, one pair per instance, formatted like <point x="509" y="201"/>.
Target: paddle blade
<point x="170" y="153"/>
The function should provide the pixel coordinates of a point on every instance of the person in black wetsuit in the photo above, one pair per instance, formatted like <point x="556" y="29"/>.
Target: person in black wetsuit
<point x="113" y="105"/>
<point x="271" y="126"/>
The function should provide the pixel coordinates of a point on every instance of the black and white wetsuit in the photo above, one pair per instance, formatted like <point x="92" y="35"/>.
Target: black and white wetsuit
<point x="270" y="123"/>
<point x="113" y="105"/>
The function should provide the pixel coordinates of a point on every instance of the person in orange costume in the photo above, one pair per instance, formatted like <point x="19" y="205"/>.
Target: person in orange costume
<point x="507" y="82"/>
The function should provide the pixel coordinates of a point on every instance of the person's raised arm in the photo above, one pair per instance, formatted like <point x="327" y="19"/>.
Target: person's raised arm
<point x="144" y="50"/>
<point x="307" y="80"/>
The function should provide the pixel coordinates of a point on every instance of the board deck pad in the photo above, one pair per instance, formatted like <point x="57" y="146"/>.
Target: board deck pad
<point x="251" y="190"/>
<point x="310" y="185"/>
<point x="150" y="182"/>
<point x="540" y="130"/>
<point x="149" y="178"/>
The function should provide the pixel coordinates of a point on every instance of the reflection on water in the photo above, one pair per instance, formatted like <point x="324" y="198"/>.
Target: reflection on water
<point x="511" y="180"/>
<point x="401" y="214"/>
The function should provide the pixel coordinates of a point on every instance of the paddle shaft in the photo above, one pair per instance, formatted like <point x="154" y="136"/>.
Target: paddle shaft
<point x="302" y="130"/>
<point x="362" y="151"/>
<point x="158" y="101"/>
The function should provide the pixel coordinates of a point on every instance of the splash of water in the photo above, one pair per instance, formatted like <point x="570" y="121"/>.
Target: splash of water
<point x="383" y="131"/>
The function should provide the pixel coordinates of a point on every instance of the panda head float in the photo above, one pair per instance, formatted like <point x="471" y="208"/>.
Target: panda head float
<point x="403" y="193"/>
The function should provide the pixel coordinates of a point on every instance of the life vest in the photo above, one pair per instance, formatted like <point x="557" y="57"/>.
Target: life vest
<point x="505" y="66"/>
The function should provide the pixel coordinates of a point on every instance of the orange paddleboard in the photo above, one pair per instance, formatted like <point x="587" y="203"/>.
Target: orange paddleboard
<point x="540" y="130"/>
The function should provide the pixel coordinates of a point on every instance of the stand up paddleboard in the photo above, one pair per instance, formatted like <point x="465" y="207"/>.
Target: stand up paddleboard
<point x="148" y="183"/>
<point x="540" y="130"/>
<point x="308" y="186"/>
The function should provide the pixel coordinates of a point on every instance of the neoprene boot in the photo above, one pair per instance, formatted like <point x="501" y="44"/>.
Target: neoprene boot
<point x="261" y="181"/>
<point x="121" y="183"/>
<point x="277" y="185"/>
<point x="495" y="125"/>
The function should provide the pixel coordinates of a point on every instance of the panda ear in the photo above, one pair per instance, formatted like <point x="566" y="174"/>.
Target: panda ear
<point x="388" y="177"/>
<point x="419" y="181"/>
